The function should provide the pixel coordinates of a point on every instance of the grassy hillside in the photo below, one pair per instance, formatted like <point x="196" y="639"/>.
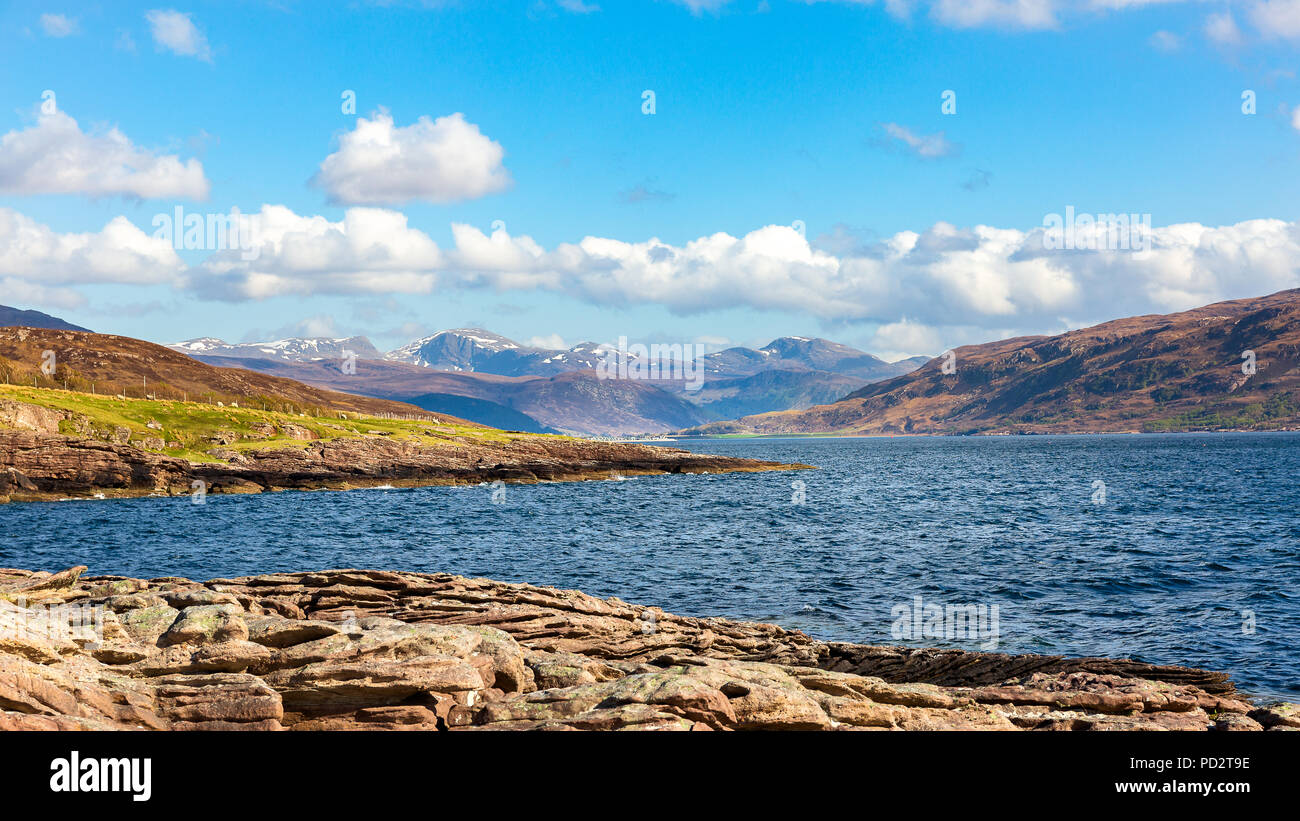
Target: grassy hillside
<point x="121" y="366"/>
<point x="191" y="429"/>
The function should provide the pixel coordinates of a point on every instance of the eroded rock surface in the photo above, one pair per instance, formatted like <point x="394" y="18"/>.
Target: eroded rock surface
<point x="37" y="466"/>
<point x="360" y="649"/>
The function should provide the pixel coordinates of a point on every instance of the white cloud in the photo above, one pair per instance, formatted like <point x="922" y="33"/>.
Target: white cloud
<point x="944" y="284"/>
<point x="1295" y="118"/>
<point x="1026" y="14"/>
<point x="1273" y="18"/>
<point x="898" y="340"/>
<point x="443" y="160"/>
<point x="369" y="251"/>
<point x="1029" y="14"/>
<point x="39" y="263"/>
<point x="1128" y="4"/>
<point x="174" y="31"/>
<point x="56" y="157"/>
<point x="1277" y="18"/>
<point x="930" y="146"/>
<point x="1222" y="29"/>
<point x="58" y="25"/>
<point x="982" y="277"/>
<point x="578" y="6"/>
<point x="987" y="277"/>
<point x="700" y="6"/>
<point x="553" y="342"/>
<point x="320" y="326"/>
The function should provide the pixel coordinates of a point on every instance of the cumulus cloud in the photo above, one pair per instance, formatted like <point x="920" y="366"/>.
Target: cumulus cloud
<point x="175" y="31"/>
<point x="58" y="25"/>
<point x="986" y="276"/>
<point x="946" y="284"/>
<point x="1277" y="18"/>
<point x="40" y="264"/>
<point x="56" y="157"/>
<point x="442" y="160"/>
<point x="1221" y="29"/>
<point x="929" y="146"/>
<point x="369" y="251"/>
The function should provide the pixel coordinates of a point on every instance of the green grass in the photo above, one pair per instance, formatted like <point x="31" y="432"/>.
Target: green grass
<point x="190" y="427"/>
<point x="1255" y="414"/>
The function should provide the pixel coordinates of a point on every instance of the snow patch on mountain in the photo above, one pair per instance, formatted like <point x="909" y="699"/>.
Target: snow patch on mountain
<point x="294" y="349"/>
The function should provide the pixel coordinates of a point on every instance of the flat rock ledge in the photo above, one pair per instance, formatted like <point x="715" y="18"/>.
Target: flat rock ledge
<point x="36" y="466"/>
<point x="377" y="650"/>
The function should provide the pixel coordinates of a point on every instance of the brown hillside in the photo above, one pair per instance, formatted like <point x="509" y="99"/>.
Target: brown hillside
<point x="132" y="367"/>
<point x="1147" y="373"/>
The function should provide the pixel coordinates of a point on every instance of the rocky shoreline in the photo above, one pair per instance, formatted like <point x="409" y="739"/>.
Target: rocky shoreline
<point x="378" y="650"/>
<point x="39" y="466"/>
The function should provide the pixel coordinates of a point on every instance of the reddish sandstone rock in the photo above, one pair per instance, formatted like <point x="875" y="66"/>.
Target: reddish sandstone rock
<point x="357" y="649"/>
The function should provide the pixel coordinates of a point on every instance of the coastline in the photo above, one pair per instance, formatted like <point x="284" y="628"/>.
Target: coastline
<point x="372" y="649"/>
<point x="945" y="435"/>
<point x="38" y="466"/>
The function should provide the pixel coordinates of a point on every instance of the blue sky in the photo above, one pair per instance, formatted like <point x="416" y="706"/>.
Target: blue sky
<point x="767" y="115"/>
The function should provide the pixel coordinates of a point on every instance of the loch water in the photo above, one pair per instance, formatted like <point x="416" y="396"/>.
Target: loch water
<point x="1178" y="549"/>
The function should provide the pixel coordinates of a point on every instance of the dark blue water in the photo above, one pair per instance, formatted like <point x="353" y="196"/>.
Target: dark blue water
<point x="1194" y="531"/>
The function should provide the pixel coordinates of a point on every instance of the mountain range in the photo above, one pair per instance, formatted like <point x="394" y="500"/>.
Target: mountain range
<point x="490" y="379"/>
<point x="293" y="349"/>
<point x="1231" y="365"/>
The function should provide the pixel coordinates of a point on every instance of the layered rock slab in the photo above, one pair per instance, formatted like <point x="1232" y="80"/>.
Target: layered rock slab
<point x="359" y="649"/>
<point x="41" y="466"/>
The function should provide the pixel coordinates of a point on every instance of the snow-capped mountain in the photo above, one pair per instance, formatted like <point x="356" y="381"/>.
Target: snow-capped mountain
<point x="492" y="379"/>
<point x="480" y="351"/>
<point x="459" y="349"/>
<point x="292" y="350"/>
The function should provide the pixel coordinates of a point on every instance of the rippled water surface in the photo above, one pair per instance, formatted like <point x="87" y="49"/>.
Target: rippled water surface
<point x="1194" y="530"/>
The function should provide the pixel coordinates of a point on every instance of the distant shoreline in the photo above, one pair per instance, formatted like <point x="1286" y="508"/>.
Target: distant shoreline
<point x="726" y="436"/>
